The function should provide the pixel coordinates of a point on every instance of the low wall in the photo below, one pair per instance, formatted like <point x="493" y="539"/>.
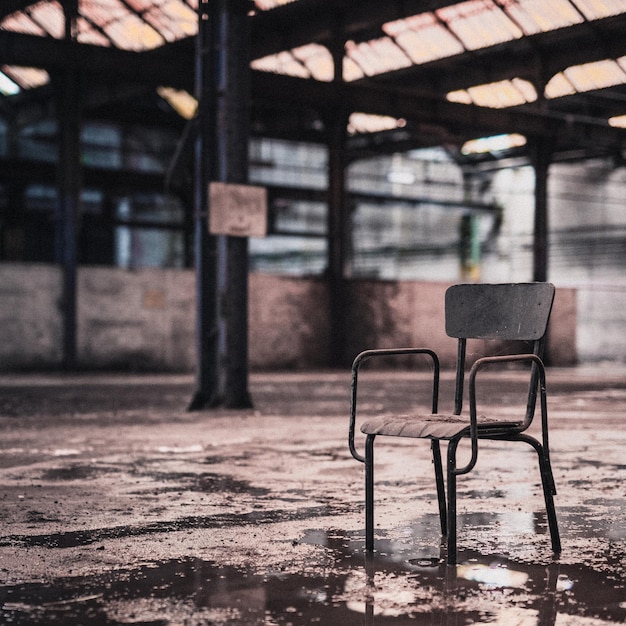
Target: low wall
<point x="392" y="314"/>
<point x="144" y="320"/>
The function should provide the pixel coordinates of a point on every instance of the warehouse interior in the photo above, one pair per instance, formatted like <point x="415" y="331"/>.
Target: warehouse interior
<point x="378" y="132"/>
<point x="174" y="401"/>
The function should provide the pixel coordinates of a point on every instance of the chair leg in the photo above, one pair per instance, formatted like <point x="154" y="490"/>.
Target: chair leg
<point x="441" y="491"/>
<point x="452" y="446"/>
<point x="369" y="493"/>
<point x="547" y="483"/>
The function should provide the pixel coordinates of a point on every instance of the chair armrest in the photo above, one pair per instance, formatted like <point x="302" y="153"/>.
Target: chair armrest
<point x="539" y="377"/>
<point x="368" y="354"/>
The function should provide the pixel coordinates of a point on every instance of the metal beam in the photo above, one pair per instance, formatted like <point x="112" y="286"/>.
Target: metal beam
<point x="149" y="68"/>
<point x="302" y="22"/>
<point x="152" y="68"/>
<point x="221" y="155"/>
<point x="408" y="104"/>
<point x="11" y="6"/>
<point x="545" y="53"/>
<point x="536" y="58"/>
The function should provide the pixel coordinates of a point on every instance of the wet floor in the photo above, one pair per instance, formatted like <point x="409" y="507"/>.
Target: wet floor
<point x="119" y="507"/>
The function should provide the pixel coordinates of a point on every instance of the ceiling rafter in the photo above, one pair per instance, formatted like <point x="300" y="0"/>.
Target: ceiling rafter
<point x="519" y="60"/>
<point x="537" y="58"/>
<point x="422" y="108"/>
<point x="417" y="93"/>
<point x="302" y="22"/>
<point x="7" y="7"/>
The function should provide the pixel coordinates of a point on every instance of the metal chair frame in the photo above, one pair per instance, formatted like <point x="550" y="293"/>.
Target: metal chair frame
<point x="510" y="312"/>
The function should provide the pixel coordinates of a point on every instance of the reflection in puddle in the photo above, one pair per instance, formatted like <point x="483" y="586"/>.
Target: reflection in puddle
<point x="393" y="586"/>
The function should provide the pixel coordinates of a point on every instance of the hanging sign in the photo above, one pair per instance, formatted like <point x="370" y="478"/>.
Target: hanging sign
<point x="237" y="210"/>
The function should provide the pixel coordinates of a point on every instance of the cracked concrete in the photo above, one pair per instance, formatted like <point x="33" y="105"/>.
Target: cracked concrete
<point x="120" y="507"/>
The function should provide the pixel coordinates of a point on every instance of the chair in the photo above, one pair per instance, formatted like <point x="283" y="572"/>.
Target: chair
<point x="505" y="312"/>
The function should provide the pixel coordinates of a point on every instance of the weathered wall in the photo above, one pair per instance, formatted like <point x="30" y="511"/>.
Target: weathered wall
<point x="145" y="319"/>
<point x="288" y="322"/>
<point x="392" y="314"/>
<point x="30" y="324"/>
<point x="137" y="319"/>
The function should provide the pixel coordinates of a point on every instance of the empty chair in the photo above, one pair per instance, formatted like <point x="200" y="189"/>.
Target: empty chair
<point x="507" y="312"/>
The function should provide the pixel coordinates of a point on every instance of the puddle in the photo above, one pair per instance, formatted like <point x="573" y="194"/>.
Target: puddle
<point x="394" y="586"/>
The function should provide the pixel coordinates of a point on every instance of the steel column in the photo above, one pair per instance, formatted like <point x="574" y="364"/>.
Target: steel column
<point x="540" y="153"/>
<point x="337" y="226"/>
<point x="369" y="493"/>
<point x="68" y="191"/>
<point x="222" y="90"/>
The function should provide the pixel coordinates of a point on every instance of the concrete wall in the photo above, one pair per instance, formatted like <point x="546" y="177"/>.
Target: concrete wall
<point x="392" y="314"/>
<point x="30" y="324"/>
<point x="142" y="319"/>
<point x="145" y="319"/>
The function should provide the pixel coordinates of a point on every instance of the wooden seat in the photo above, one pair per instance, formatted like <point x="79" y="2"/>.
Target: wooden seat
<point x="505" y="312"/>
<point x="435" y="426"/>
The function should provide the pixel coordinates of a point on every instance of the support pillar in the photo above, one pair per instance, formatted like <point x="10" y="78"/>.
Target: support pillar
<point x="337" y="225"/>
<point x="221" y="151"/>
<point x="541" y="154"/>
<point x="68" y="189"/>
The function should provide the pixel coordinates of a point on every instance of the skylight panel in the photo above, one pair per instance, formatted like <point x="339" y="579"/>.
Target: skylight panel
<point x="351" y="70"/>
<point x="539" y="16"/>
<point x="26" y="77"/>
<point x="499" y="95"/>
<point x="495" y="143"/>
<point x="558" y="86"/>
<point x="366" y="123"/>
<point x="377" y="56"/>
<point x="102" y="12"/>
<point x="460" y="96"/>
<point x="598" y="9"/>
<point x="423" y="38"/>
<point x="619" y="121"/>
<point x="140" y="6"/>
<point x="317" y="60"/>
<point x="7" y="86"/>
<point x="265" y="5"/>
<point x="479" y="24"/>
<point x="587" y="77"/>
<point x="88" y="34"/>
<point x="181" y="101"/>
<point x="281" y="63"/>
<point x="597" y="75"/>
<point x="49" y="15"/>
<point x="172" y="18"/>
<point x="21" y="23"/>
<point x="132" y="33"/>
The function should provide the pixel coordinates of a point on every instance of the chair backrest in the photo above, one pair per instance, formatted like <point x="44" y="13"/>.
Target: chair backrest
<point x="512" y="311"/>
<point x="517" y="311"/>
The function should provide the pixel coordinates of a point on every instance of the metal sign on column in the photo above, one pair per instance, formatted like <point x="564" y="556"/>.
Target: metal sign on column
<point x="221" y="155"/>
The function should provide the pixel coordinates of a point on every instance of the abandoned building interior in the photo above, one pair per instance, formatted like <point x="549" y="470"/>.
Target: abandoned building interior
<point x="209" y="208"/>
<point x="398" y="142"/>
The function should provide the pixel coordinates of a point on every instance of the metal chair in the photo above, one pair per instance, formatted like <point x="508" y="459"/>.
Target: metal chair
<point x="507" y="312"/>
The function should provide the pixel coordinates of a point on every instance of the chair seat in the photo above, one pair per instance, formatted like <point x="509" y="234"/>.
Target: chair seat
<point x="432" y="426"/>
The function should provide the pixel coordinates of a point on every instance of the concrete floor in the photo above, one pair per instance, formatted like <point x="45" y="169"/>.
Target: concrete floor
<point x="120" y="507"/>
